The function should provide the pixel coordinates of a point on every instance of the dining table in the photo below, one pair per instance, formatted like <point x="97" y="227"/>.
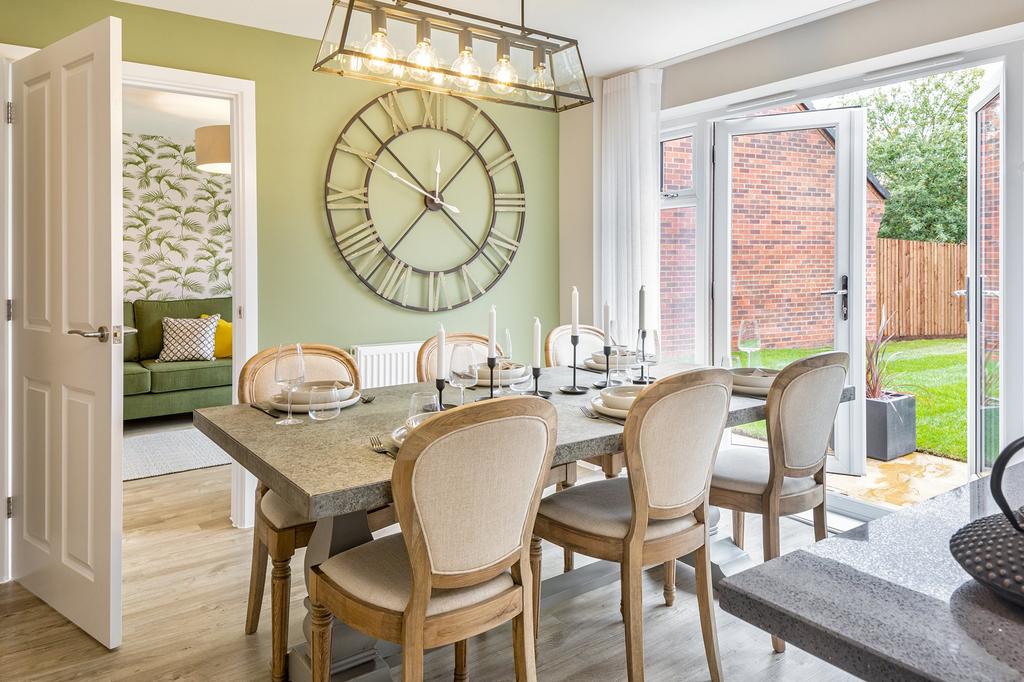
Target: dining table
<point x="329" y="471"/>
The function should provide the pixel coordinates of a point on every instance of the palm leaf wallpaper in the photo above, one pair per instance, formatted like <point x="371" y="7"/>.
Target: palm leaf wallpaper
<point x="177" y="229"/>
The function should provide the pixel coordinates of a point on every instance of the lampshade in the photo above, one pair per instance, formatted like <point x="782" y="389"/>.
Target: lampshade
<point x="213" y="149"/>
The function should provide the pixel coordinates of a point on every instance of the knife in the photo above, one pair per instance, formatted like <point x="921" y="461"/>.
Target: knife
<point x="266" y="410"/>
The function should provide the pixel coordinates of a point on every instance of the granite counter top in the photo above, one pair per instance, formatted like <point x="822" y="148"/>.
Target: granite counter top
<point x="327" y="468"/>
<point x="887" y="600"/>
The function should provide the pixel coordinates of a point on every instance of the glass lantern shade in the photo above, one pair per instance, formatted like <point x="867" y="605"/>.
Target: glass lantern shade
<point x="422" y="45"/>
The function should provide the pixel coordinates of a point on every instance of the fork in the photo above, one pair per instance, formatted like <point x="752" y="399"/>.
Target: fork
<point x="367" y="399"/>
<point x="377" y="445"/>
<point x="590" y="414"/>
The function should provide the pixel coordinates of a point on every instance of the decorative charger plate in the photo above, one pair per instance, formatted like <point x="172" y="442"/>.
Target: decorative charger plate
<point x="991" y="549"/>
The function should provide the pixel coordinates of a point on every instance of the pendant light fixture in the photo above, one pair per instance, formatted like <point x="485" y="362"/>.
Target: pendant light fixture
<point x="213" y="149"/>
<point x="413" y="43"/>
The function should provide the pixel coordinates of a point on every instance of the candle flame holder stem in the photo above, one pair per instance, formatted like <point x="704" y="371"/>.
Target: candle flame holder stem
<point x="575" y="389"/>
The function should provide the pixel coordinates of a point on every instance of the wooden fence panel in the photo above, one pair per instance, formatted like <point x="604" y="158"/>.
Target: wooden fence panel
<point x="916" y="281"/>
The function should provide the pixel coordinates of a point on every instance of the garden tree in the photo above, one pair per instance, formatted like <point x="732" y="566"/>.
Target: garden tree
<point x="917" y="147"/>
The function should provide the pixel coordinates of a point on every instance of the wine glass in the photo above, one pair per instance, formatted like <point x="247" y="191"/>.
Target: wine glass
<point x="289" y="374"/>
<point x="618" y="366"/>
<point x="522" y="383"/>
<point x="324" y="403"/>
<point x="749" y="339"/>
<point x="504" y="359"/>
<point x="648" y="352"/>
<point x="462" y="369"/>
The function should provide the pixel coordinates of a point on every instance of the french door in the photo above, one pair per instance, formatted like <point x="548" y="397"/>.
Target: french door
<point x="66" y="372"/>
<point x="789" y="249"/>
<point x="984" y="277"/>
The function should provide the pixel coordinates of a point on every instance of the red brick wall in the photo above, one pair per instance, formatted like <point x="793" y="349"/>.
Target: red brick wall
<point x="988" y="220"/>
<point x="783" y="241"/>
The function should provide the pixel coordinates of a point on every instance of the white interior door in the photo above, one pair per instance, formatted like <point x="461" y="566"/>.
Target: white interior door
<point x="789" y="249"/>
<point x="984" y="276"/>
<point x="66" y="275"/>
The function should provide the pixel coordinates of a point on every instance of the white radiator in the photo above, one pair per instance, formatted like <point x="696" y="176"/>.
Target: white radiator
<point x="387" y="364"/>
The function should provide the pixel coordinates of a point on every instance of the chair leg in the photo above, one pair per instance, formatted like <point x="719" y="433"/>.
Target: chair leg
<point x="738" y="528"/>
<point x="320" y="636"/>
<point x="535" y="553"/>
<point x="257" y="580"/>
<point x="670" y="582"/>
<point x="280" y="595"/>
<point x="770" y="526"/>
<point x="820" y="522"/>
<point x="412" y="659"/>
<point x="706" y="606"/>
<point x="461" y="670"/>
<point x="632" y="605"/>
<point x="524" y="639"/>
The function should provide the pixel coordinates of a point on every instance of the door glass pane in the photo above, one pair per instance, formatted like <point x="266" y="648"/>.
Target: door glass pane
<point x="678" y="256"/>
<point x="677" y="164"/>
<point x="783" y="249"/>
<point x="988" y="123"/>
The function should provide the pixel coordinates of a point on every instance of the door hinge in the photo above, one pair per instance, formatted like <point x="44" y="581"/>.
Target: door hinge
<point x="10" y="507"/>
<point x="10" y="112"/>
<point x="10" y="309"/>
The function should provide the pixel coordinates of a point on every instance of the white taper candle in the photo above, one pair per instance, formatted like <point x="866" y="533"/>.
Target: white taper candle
<point x="643" y="307"/>
<point x="492" y="332"/>
<point x="575" y="312"/>
<point x="607" y="322"/>
<point x="440" y="352"/>
<point x="536" y="342"/>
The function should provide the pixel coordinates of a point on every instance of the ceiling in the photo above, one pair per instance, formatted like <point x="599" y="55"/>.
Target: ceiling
<point x="173" y="115"/>
<point x="614" y="35"/>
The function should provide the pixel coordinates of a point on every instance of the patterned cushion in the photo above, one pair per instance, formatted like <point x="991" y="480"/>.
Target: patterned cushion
<point x="189" y="339"/>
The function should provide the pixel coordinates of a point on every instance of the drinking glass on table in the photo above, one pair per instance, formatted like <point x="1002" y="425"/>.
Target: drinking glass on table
<point x="522" y="383"/>
<point x="648" y="352"/>
<point x="504" y="359"/>
<point x="462" y="369"/>
<point x="324" y="403"/>
<point x="618" y="366"/>
<point x="290" y="374"/>
<point x="748" y="339"/>
<point x="421" y="403"/>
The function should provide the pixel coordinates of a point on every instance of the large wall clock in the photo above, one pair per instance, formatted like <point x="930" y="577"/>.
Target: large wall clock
<point x="425" y="199"/>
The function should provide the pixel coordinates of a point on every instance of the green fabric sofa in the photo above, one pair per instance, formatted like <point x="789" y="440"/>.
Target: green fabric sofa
<point x="153" y="388"/>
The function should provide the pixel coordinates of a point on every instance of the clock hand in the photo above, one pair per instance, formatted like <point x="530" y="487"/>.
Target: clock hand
<point x="437" y="177"/>
<point x="413" y="187"/>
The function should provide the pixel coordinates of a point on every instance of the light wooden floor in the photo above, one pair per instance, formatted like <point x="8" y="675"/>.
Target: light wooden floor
<point x="185" y="577"/>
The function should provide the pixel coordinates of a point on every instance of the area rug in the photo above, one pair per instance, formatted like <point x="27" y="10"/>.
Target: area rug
<point x="168" y="452"/>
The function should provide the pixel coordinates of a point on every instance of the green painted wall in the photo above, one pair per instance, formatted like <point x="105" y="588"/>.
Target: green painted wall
<point x="306" y="292"/>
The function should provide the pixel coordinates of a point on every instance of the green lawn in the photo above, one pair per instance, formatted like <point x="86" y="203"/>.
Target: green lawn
<point x="935" y="370"/>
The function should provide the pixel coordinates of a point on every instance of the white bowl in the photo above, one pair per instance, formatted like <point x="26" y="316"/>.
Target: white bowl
<point x="620" y="397"/>
<point x="504" y="372"/>
<point x="304" y="394"/>
<point x="598" y="357"/>
<point x="753" y="377"/>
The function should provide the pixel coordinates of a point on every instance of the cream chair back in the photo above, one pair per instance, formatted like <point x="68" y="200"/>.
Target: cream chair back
<point x="558" y="345"/>
<point x="426" y="358"/>
<point x="671" y="437"/>
<point x="467" y="484"/>
<point x="801" y="410"/>
<point x="256" y="382"/>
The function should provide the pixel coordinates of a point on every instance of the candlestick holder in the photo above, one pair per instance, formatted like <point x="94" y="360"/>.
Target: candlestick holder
<point x="439" y="383"/>
<point x="607" y="381"/>
<point x="644" y="377"/>
<point x="575" y="389"/>
<point x="491" y="364"/>
<point x="536" y="385"/>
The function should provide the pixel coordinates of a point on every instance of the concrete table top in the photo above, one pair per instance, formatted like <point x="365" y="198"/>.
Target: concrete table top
<point x="327" y="468"/>
<point x="887" y="600"/>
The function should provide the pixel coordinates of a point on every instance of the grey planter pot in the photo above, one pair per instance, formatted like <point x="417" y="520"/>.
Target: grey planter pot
<point x="891" y="426"/>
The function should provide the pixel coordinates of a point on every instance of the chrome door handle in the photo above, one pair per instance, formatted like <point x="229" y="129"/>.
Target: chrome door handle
<point x="101" y="334"/>
<point x="844" y="293"/>
<point x="833" y="292"/>
<point x="960" y="292"/>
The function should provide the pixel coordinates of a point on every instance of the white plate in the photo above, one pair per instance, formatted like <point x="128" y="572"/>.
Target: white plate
<point x="753" y="377"/>
<point x="599" y="366"/>
<point x="305" y="393"/>
<point x="508" y="371"/>
<point x="598" y="404"/>
<point x="620" y="397"/>
<point x="598" y="357"/>
<point x="280" y="403"/>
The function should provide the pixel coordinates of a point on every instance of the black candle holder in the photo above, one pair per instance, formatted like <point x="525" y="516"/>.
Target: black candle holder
<point x="607" y="381"/>
<point x="575" y="389"/>
<point x="536" y="385"/>
<point x="644" y="378"/>
<point x="439" y="383"/>
<point x="491" y="364"/>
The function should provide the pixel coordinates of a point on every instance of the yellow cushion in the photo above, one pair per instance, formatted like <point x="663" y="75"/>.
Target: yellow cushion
<point x="221" y="339"/>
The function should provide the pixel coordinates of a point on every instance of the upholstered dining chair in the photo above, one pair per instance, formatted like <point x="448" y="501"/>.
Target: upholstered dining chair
<point x="558" y="347"/>
<point x="426" y="358"/>
<point x="280" y="529"/>
<point x="790" y="477"/>
<point x="659" y="511"/>
<point x="461" y="565"/>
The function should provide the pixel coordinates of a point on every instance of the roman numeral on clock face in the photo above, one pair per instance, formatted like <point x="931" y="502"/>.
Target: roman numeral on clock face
<point x="391" y="106"/>
<point x="501" y="163"/>
<point x="502" y="246"/>
<point x="366" y="157"/>
<point x="359" y="241"/>
<point x="510" y="203"/>
<point x="340" y="198"/>
<point x="435" y="110"/>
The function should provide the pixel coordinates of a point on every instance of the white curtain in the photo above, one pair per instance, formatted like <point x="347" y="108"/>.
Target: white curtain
<point x="630" y="172"/>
